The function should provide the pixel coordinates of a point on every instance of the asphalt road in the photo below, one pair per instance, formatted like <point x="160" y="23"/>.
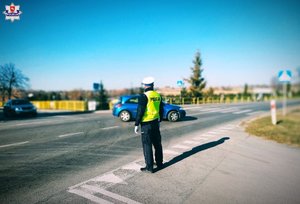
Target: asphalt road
<point x="44" y="159"/>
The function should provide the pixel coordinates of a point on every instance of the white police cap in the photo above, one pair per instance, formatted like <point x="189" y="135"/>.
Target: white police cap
<point x="148" y="81"/>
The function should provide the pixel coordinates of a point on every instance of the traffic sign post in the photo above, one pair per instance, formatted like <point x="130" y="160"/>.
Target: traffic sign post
<point x="284" y="99"/>
<point x="285" y="77"/>
<point x="180" y="84"/>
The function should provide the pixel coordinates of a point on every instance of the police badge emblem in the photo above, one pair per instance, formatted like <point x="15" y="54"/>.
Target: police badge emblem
<point x="12" y="12"/>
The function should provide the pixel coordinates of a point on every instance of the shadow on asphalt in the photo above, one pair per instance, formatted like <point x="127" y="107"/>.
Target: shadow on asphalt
<point x="188" y="118"/>
<point x="40" y="115"/>
<point x="193" y="151"/>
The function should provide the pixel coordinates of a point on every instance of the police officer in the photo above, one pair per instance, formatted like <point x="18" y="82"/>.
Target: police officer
<point x="149" y="115"/>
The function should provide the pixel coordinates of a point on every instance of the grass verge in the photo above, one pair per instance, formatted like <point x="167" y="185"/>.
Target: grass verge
<point x="286" y="131"/>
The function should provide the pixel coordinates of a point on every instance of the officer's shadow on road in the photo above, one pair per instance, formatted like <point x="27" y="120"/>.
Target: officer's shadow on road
<point x="42" y="115"/>
<point x="193" y="151"/>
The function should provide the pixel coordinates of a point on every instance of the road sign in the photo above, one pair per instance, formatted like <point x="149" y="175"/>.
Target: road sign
<point x="284" y="76"/>
<point x="96" y="86"/>
<point x="180" y="83"/>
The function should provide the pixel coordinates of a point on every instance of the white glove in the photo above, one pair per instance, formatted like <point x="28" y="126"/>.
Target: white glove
<point x="136" y="129"/>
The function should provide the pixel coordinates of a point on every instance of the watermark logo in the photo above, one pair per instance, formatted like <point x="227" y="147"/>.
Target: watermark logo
<point x="12" y="12"/>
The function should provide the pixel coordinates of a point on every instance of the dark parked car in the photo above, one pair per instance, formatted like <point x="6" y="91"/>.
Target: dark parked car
<point x="15" y="107"/>
<point x="126" y="109"/>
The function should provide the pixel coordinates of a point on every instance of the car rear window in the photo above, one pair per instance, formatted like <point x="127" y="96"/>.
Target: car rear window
<point x="133" y="100"/>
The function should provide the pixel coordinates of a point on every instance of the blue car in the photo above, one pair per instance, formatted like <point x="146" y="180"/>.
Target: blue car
<point x="126" y="109"/>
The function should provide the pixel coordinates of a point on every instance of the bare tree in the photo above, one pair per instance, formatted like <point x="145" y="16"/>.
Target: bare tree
<point x="11" y="78"/>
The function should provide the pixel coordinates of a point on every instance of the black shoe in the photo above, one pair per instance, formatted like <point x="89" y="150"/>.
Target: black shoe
<point x="146" y="170"/>
<point x="160" y="166"/>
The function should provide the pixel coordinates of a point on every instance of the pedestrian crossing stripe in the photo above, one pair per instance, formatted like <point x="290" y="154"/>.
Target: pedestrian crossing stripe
<point x="96" y="192"/>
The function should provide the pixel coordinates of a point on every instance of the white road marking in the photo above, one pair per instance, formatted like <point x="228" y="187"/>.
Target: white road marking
<point x="110" y="172"/>
<point x="207" y="135"/>
<point x="220" y="130"/>
<point x="195" y="107"/>
<point x="191" y="142"/>
<point x="108" y="128"/>
<point x="88" y="189"/>
<point x="62" y="116"/>
<point x="32" y="123"/>
<point x="209" y="110"/>
<point x="167" y="151"/>
<point x="179" y="146"/>
<point x="227" y="128"/>
<point x="89" y="196"/>
<point x="200" y="138"/>
<point x="71" y="134"/>
<point x="110" y="194"/>
<point x="110" y="178"/>
<point x="215" y="110"/>
<point x="132" y="166"/>
<point x="227" y="110"/>
<point x="14" y="144"/>
<point x="256" y="112"/>
<point x="243" y="111"/>
<point x="213" y="132"/>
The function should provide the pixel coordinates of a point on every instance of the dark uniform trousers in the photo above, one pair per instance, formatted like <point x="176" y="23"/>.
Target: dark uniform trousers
<point x="151" y="136"/>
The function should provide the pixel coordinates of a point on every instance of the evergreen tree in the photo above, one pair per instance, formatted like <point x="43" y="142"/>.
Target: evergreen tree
<point x="183" y="92"/>
<point x="103" y="98"/>
<point x="246" y="90"/>
<point x="196" y="81"/>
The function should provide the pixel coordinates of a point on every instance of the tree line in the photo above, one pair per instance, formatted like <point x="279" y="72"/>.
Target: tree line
<point x="14" y="84"/>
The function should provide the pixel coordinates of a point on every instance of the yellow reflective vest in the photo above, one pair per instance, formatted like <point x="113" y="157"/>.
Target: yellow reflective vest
<point x="152" y="108"/>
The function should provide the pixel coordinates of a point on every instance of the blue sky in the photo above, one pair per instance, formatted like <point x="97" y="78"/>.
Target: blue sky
<point x="69" y="44"/>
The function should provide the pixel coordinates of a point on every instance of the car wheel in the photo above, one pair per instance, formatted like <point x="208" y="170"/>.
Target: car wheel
<point x="173" y="116"/>
<point x="125" y="116"/>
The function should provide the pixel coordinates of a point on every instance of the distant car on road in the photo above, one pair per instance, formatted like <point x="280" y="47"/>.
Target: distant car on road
<point x="15" y="107"/>
<point x="126" y="109"/>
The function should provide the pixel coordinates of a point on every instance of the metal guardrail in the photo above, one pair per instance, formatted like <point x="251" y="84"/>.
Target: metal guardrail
<point x="74" y="105"/>
<point x="210" y="100"/>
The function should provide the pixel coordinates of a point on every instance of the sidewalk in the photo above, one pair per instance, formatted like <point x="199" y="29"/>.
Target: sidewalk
<point x="220" y="165"/>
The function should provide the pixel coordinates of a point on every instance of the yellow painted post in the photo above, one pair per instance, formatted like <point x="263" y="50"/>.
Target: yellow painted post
<point x="235" y="99"/>
<point x="227" y="99"/>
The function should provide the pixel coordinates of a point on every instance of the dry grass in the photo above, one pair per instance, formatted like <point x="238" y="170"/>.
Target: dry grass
<point x="286" y="131"/>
